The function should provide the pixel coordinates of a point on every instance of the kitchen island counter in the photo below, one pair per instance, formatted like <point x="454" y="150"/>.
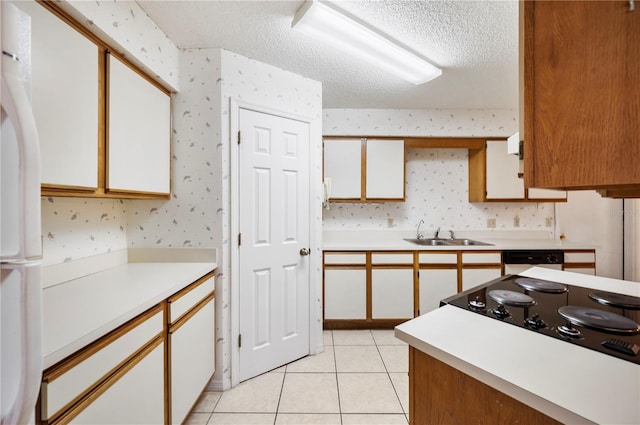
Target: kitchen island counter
<point x="565" y="382"/>
<point x="78" y="312"/>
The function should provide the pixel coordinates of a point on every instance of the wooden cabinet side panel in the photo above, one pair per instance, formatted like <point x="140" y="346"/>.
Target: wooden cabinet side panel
<point x="581" y="122"/>
<point x="441" y="394"/>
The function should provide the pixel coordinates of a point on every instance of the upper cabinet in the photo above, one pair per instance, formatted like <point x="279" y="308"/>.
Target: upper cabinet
<point x="64" y="91"/>
<point x="493" y="176"/>
<point x="138" y="157"/>
<point x="581" y="108"/>
<point x="362" y="170"/>
<point x="104" y="126"/>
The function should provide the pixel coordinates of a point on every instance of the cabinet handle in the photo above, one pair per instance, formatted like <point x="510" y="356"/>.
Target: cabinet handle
<point x="632" y="5"/>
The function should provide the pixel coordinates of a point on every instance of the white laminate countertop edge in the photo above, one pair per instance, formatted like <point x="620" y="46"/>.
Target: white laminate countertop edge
<point x="567" y="382"/>
<point x="496" y="245"/>
<point x="82" y="310"/>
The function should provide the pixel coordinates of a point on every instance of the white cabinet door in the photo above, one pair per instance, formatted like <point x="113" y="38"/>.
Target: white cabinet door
<point x="502" y="173"/>
<point x="391" y="293"/>
<point x="64" y="93"/>
<point x="435" y="285"/>
<point x="135" y="398"/>
<point x="343" y="166"/>
<point x="345" y="294"/>
<point x="139" y="124"/>
<point x="385" y="169"/>
<point x="534" y="193"/>
<point x="474" y="277"/>
<point x="192" y="361"/>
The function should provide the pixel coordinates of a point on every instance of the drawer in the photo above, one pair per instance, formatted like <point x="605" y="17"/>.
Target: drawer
<point x="481" y="258"/>
<point x="63" y="384"/>
<point x="579" y="257"/>
<point x="355" y="258"/>
<point x="402" y="258"/>
<point x="184" y="301"/>
<point x="429" y="258"/>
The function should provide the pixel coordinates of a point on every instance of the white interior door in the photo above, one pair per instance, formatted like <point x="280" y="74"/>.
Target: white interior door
<point x="274" y="228"/>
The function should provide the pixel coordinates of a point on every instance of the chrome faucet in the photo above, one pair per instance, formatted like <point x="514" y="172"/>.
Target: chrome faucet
<point x="418" y="234"/>
<point x="435" y="235"/>
<point x="451" y="235"/>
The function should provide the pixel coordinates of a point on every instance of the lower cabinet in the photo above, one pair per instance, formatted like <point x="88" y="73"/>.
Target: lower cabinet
<point x="392" y="293"/>
<point x="345" y="294"/>
<point x="136" y="397"/>
<point x="480" y="267"/>
<point x="435" y="285"/>
<point x="150" y="370"/>
<point x="191" y="346"/>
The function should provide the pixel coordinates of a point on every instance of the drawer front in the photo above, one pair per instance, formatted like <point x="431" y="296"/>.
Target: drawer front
<point x="355" y="258"/>
<point x="137" y="397"/>
<point x="438" y="258"/>
<point x="59" y="391"/>
<point x="481" y="258"/>
<point x="403" y="258"/>
<point x="179" y="306"/>
<point x="579" y="257"/>
<point x="581" y="270"/>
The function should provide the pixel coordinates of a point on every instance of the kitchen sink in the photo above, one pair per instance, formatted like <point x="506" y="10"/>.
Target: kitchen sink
<point x="428" y="241"/>
<point x="466" y="242"/>
<point x="447" y="242"/>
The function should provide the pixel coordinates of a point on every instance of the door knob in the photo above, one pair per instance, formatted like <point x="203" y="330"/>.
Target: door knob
<point x="304" y="252"/>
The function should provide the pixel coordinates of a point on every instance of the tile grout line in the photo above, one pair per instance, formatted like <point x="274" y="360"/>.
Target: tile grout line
<point x="284" y="377"/>
<point x="390" y="380"/>
<point x="335" y="365"/>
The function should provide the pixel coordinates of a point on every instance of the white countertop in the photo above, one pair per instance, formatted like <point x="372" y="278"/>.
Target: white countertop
<point x="381" y="240"/>
<point x="567" y="382"/>
<point x="78" y="312"/>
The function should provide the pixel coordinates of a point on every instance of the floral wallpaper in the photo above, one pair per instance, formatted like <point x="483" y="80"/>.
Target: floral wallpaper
<point x="75" y="228"/>
<point x="437" y="179"/>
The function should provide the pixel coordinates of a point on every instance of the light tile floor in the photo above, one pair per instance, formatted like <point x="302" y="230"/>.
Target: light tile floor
<point x="360" y="378"/>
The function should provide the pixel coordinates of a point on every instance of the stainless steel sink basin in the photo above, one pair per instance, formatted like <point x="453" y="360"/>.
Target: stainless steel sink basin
<point x="428" y="241"/>
<point x="447" y="242"/>
<point x="466" y="242"/>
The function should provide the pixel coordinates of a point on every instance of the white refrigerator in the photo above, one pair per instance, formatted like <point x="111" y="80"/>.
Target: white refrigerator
<point x="20" y="235"/>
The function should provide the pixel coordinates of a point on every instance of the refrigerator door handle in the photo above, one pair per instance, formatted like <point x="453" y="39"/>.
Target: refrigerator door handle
<point x="16" y="104"/>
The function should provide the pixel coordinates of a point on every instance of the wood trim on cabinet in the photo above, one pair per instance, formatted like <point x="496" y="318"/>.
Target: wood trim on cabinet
<point x="369" y="288"/>
<point x="184" y="291"/>
<point x="81" y="355"/>
<point x="416" y="283"/>
<point x="191" y="312"/>
<point x="86" y="398"/>
<point x="339" y="324"/>
<point x="412" y="142"/>
<point x="166" y="313"/>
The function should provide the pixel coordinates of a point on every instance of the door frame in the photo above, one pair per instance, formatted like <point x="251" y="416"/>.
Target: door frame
<point x="315" y="292"/>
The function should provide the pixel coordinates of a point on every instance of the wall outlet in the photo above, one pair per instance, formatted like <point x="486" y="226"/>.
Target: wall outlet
<point x="549" y="221"/>
<point x="516" y="221"/>
<point x="491" y="223"/>
<point x="389" y="222"/>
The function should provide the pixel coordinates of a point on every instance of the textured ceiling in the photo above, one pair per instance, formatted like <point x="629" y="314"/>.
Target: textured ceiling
<point x="474" y="42"/>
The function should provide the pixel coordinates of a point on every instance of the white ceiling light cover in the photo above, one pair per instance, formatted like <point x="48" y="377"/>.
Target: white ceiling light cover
<point x="327" y="24"/>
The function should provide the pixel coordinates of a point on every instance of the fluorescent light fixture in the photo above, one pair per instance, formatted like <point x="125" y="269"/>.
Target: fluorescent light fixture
<point x="328" y="24"/>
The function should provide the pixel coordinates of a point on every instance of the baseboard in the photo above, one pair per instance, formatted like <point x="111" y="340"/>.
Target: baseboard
<point x="218" y="385"/>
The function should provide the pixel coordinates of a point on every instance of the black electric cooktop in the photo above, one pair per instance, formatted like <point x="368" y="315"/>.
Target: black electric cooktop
<point x="598" y="320"/>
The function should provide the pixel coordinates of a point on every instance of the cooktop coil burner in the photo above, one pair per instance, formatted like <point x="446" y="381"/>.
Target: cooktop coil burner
<point x="540" y="285"/>
<point x="512" y="298"/>
<point x="590" y="318"/>
<point x="616" y="300"/>
<point x="599" y="319"/>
